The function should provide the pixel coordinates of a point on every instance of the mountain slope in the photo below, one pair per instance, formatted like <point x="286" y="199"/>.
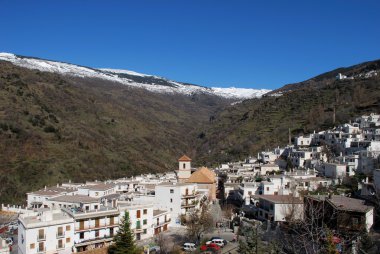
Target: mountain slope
<point x="58" y="127"/>
<point x="129" y="78"/>
<point x="259" y="124"/>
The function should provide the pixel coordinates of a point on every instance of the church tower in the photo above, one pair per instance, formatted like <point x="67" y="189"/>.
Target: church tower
<point x="184" y="169"/>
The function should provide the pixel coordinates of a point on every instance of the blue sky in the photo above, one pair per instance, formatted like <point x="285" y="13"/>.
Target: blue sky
<point x="258" y="44"/>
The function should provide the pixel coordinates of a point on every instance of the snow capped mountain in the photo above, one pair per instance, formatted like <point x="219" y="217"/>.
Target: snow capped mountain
<point x="130" y="78"/>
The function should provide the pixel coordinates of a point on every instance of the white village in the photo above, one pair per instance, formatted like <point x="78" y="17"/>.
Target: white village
<point x="276" y="186"/>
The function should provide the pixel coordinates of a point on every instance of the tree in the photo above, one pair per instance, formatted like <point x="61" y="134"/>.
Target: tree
<point x="124" y="239"/>
<point x="198" y="222"/>
<point x="250" y="243"/>
<point x="163" y="242"/>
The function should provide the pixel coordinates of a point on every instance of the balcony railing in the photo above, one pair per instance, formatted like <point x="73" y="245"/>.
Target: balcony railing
<point x="96" y="227"/>
<point x="41" y="238"/>
<point x="187" y="205"/>
<point x="162" y="223"/>
<point x="60" y="247"/>
<point x="189" y="195"/>
<point x="41" y="250"/>
<point x="60" y="235"/>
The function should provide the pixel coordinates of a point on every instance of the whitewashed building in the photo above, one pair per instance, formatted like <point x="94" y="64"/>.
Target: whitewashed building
<point x="280" y="208"/>
<point x="50" y="231"/>
<point x="177" y="199"/>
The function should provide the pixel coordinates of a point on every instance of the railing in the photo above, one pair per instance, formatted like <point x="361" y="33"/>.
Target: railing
<point x="42" y="250"/>
<point x="161" y="223"/>
<point x="187" y="205"/>
<point x="188" y="196"/>
<point x="95" y="227"/>
<point x="60" y="247"/>
<point x="60" y="235"/>
<point x="41" y="238"/>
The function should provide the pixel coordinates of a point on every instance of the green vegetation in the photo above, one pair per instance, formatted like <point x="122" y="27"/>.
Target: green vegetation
<point x="261" y="124"/>
<point x="62" y="128"/>
<point x="54" y="128"/>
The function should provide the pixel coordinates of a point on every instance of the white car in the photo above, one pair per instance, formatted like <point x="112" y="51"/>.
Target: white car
<point x="9" y="241"/>
<point x="189" y="247"/>
<point x="219" y="242"/>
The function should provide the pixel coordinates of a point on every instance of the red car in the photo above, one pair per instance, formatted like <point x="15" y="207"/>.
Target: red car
<point x="211" y="246"/>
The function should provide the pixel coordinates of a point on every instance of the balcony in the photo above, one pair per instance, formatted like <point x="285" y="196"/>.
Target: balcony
<point x="138" y="230"/>
<point x="189" y="195"/>
<point x="184" y="205"/>
<point x="156" y="225"/>
<point x="41" y="238"/>
<point x="41" y="250"/>
<point x="94" y="227"/>
<point x="60" y="235"/>
<point x="60" y="247"/>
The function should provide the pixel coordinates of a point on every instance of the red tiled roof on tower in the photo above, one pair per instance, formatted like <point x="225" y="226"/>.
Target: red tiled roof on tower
<point x="202" y="175"/>
<point x="184" y="158"/>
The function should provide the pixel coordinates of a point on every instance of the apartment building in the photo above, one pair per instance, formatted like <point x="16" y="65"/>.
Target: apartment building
<point x="177" y="198"/>
<point x="50" y="231"/>
<point x="93" y="228"/>
<point x="161" y="221"/>
<point x="141" y="217"/>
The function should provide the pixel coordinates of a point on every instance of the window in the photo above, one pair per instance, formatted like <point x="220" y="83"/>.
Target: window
<point x="95" y="207"/>
<point x="97" y="222"/>
<point x="267" y="188"/>
<point x="68" y="228"/>
<point x="145" y="231"/>
<point x="81" y="235"/>
<point x="41" y="246"/>
<point x="60" y="231"/>
<point x="96" y="233"/>
<point x="60" y="244"/>
<point x="138" y="214"/>
<point x="68" y="239"/>
<point x="171" y="190"/>
<point x="145" y="222"/>
<point x="184" y="165"/>
<point x="171" y="200"/>
<point x="41" y="234"/>
<point x="145" y="211"/>
<point x="32" y="246"/>
<point x="96" y="193"/>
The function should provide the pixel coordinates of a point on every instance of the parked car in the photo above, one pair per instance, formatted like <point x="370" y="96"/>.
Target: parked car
<point x="189" y="247"/>
<point x="9" y="241"/>
<point x="219" y="242"/>
<point x="218" y="237"/>
<point x="211" y="246"/>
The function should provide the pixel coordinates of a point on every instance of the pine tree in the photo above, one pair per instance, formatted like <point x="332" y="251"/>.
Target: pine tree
<point x="124" y="239"/>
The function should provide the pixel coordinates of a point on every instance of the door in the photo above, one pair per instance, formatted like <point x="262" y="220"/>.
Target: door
<point x="81" y="225"/>
<point x="97" y="222"/>
<point x="112" y="220"/>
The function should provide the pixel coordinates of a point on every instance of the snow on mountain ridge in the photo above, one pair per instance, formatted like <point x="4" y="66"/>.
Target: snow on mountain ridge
<point x="115" y="75"/>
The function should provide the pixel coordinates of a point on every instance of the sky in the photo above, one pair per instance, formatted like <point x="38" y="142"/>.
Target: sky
<point x="252" y="44"/>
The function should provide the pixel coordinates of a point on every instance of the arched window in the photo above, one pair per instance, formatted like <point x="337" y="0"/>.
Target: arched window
<point x="184" y="165"/>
